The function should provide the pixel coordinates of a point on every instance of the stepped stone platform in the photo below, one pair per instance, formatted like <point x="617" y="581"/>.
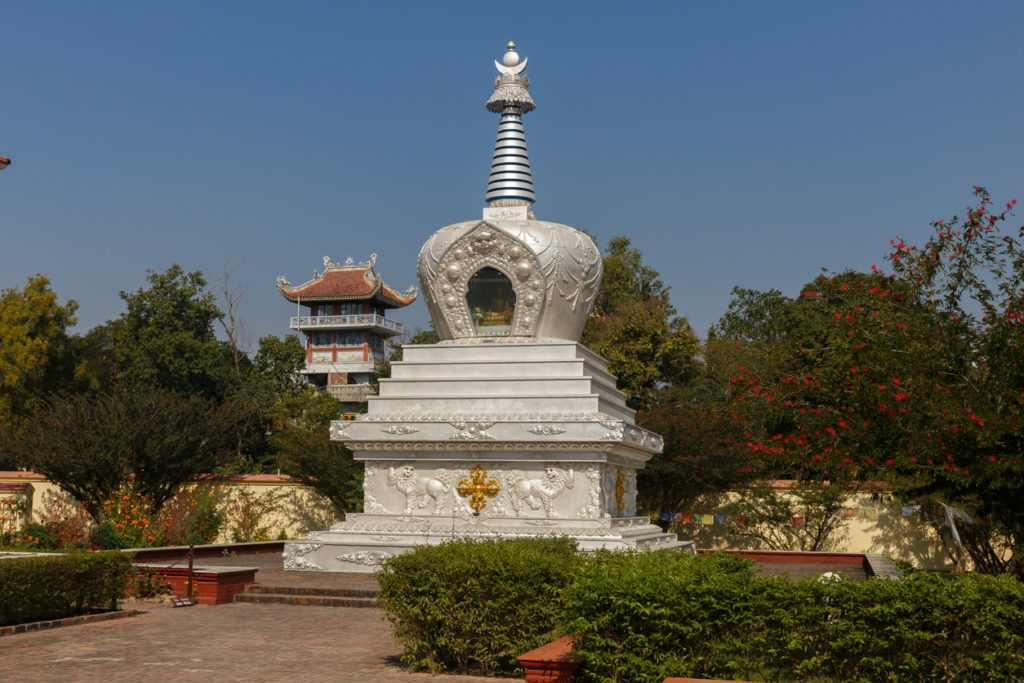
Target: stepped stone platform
<point x="479" y="440"/>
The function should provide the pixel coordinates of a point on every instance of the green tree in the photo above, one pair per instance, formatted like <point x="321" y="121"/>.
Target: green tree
<point x="91" y="443"/>
<point x="166" y="338"/>
<point x="303" y="448"/>
<point x="35" y="353"/>
<point x="634" y="326"/>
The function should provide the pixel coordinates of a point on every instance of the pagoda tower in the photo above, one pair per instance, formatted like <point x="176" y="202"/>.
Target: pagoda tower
<point x="508" y="427"/>
<point x="345" y="325"/>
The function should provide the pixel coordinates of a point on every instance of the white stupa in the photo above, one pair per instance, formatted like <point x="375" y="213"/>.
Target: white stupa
<point x="508" y="427"/>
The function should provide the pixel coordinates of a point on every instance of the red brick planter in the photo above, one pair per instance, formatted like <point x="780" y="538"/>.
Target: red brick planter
<point x="551" y="663"/>
<point x="213" y="585"/>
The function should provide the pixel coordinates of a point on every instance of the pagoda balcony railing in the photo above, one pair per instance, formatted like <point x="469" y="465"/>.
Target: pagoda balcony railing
<point x="323" y="322"/>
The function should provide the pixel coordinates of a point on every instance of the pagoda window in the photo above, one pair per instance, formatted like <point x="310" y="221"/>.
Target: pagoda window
<point x="323" y="309"/>
<point x="321" y="339"/>
<point x="351" y="309"/>
<point x="492" y="302"/>
<point x="350" y="338"/>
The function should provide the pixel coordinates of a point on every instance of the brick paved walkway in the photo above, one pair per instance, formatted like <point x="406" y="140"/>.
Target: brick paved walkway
<point x="237" y="642"/>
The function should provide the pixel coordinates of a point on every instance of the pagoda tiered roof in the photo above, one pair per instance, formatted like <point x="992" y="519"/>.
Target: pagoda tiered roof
<point x="346" y="282"/>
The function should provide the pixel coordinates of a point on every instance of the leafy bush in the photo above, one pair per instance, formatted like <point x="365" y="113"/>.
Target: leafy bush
<point x="12" y="511"/>
<point x="194" y="515"/>
<point x="248" y="514"/>
<point x="478" y="605"/>
<point x="38" y="536"/>
<point x="646" y="616"/>
<point x="57" y="586"/>
<point x="66" y="518"/>
<point x="106" y="536"/>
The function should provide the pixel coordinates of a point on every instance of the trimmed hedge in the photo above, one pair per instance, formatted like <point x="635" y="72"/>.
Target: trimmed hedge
<point x="56" y="586"/>
<point x="646" y="616"/>
<point x="470" y="605"/>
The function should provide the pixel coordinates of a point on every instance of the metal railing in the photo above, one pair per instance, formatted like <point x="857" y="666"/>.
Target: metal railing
<point x="335" y="321"/>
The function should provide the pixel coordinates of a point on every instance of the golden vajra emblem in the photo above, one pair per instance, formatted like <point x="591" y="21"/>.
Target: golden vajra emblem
<point x="478" y="488"/>
<point x="620" y="491"/>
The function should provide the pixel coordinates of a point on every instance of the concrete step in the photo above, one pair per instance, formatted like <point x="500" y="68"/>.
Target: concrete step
<point x="302" y="590"/>
<point x="309" y="597"/>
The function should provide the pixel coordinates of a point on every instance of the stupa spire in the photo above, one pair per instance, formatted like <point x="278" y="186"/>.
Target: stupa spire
<point x="510" y="183"/>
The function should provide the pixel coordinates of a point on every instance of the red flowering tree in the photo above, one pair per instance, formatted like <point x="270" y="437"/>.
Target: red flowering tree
<point x="913" y="376"/>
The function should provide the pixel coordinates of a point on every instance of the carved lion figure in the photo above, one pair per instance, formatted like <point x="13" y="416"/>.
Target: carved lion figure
<point x="418" y="490"/>
<point x="539" y="492"/>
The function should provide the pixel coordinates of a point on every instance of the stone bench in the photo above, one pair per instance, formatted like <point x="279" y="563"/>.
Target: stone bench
<point x="213" y="585"/>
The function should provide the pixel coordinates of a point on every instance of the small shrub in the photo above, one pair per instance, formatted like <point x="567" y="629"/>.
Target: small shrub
<point x="247" y="513"/>
<point x="475" y="605"/>
<point x="66" y="518"/>
<point x="57" y="586"/>
<point x="106" y="536"/>
<point x="132" y="514"/>
<point x="193" y="515"/>
<point x="38" y="537"/>
<point x="148" y="584"/>
<point x="12" y="510"/>
<point x="648" y="616"/>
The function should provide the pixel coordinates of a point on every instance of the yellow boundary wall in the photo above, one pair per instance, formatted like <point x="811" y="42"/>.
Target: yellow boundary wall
<point x="301" y="509"/>
<point x="876" y="525"/>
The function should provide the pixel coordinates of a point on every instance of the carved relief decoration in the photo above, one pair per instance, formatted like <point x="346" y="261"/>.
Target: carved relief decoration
<point x="419" y="490"/>
<point x="592" y="508"/>
<point x="572" y="263"/>
<point x="472" y="431"/>
<point x="370" y="503"/>
<point x="485" y="246"/>
<point x="546" y="430"/>
<point x="615" y="429"/>
<point x="338" y="428"/>
<point x="399" y="430"/>
<point x="293" y="556"/>
<point x="366" y="558"/>
<point x="538" y="493"/>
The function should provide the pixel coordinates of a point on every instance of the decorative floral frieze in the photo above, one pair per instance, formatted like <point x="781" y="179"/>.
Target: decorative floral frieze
<point x="469" y="446"/>
<point x="293" y="556"/>
<point x="399" y="430"/>
<point x="592" y="508"/>
<point x="337" y="430"/>
<point x="472" y="431"/>
<point x="366" y="558"/>
<point x="370" y="503"/>
<point x="546" y="430"/>
<point x="615" y="429"/>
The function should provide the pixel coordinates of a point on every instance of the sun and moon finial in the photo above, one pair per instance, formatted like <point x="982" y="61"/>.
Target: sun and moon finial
<point x="510" y="62"/>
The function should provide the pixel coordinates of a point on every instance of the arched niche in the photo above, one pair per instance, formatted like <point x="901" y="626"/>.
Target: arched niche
<point x="491" y="299"/>
<point x="490" y="270"/>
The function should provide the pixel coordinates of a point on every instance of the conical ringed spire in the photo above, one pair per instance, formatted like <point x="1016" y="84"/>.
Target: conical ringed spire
<point x="511" y="183"/>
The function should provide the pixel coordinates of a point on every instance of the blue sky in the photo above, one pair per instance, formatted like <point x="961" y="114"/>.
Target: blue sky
<point x="736" y="143"/>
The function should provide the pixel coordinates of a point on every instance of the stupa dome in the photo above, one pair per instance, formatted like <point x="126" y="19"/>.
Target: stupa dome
<point x="509" y="277"/>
